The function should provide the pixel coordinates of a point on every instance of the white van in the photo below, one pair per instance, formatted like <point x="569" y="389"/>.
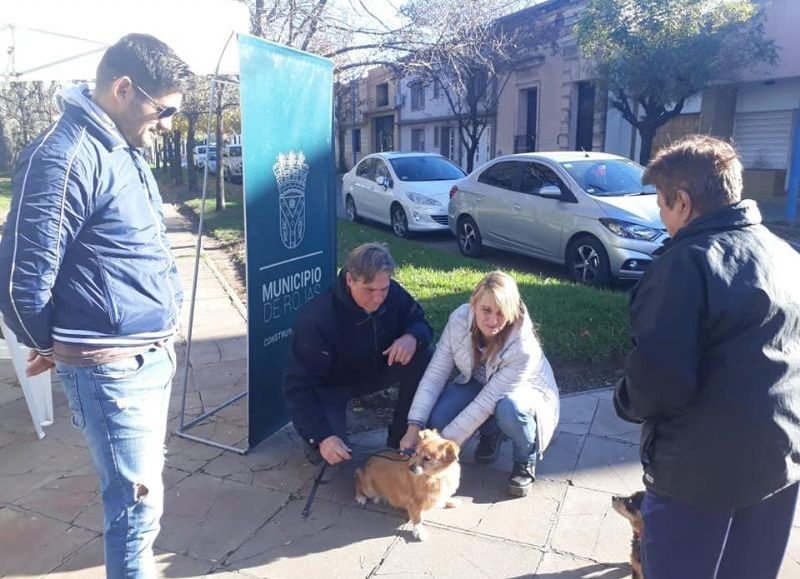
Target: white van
<point x="200" y="155"/>
<point x="232" y="163"/>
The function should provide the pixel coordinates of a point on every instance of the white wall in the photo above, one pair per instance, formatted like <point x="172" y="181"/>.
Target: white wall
<point x="783" y="95"/>
<point x="434" y="108"/>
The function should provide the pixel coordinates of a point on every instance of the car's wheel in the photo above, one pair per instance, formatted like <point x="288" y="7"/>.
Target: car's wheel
<point x="469" y="237"/>
<point x="350" y="209"/>
<point x="587" y="261"/>
<point x="399" y="221"/>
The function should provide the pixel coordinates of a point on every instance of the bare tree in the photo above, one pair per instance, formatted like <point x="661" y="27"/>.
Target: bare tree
<point x="226" y="97"/>
<point x="469" y="50"/>
<point x="27" y="108"/>
<point x="345" y="104"/>
<point x="348" y="33"/>
<point x="5" y="157"/>
<point x="464" y="47"/>
<point x="194" y="110"/>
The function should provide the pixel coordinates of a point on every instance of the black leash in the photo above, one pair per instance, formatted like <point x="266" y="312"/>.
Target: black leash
<point x="318" y="479"/>
<point x="314" y="487"/>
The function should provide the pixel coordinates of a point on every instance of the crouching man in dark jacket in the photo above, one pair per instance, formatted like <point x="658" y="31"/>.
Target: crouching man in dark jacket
<point x="714" y="375"/>
<point x="364" y="334"/>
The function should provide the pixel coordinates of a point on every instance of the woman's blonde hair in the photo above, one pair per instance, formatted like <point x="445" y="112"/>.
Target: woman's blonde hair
<point x="505" y="293"/>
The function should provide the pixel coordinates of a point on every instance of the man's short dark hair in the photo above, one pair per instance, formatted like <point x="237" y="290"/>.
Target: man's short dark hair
<point x="150" y="63"/>
<point x="708" y="169"/>
<point x="368" y="260"/>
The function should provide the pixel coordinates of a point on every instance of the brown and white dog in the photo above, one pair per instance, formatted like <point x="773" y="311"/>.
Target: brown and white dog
<point x="631" y="508"/>
<point x="427" y="480"/>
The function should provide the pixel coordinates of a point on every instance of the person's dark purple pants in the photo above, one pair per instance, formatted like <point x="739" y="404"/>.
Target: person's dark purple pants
<point x="681" y="541"/>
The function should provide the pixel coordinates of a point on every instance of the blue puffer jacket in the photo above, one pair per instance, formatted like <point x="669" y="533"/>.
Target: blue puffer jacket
<point x="84" y="257"/>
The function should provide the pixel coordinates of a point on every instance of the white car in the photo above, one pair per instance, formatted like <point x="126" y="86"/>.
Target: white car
<point x="232" y="163"/>
<point x="588" y="211"/>
<point x="200" y="154"/>
<point x="409" y="191"/>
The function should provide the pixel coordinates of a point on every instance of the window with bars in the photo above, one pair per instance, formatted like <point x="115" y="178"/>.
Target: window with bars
<point x="417" y="97"/>
<point x="418" y="139"/>
<point x="382" y="94"/>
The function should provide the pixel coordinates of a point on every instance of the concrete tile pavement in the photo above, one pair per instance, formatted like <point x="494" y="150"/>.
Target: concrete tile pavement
<point x="230" y="516"/>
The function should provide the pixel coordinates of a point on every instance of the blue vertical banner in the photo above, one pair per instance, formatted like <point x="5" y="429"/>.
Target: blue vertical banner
<point x="290" y="211"/>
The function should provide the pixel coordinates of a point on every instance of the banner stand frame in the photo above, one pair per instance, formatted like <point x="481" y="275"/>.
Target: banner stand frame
<point x="183" y="427"/>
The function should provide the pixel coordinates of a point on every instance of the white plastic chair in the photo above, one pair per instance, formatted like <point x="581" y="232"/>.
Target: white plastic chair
<point x="38" y="390"/>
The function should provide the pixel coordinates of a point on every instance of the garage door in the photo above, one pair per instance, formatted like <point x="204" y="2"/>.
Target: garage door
<point x="763" y="138"/>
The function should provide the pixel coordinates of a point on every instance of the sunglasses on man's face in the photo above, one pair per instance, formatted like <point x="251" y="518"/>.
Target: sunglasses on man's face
<point x="163" y="112"/>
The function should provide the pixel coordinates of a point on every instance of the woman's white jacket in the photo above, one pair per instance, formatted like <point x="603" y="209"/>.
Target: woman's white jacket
<point x="520" y="364"/>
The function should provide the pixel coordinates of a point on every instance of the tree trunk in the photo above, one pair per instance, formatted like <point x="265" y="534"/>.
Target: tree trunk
<point x="341" y="133"/>
<point x="174" y="164"/>
<point x="256" y="17"/>
<point x="471" y="146"/>
<point x="647" y="134"/>
<point x="471" y="149"/>
<point x="220" y="146"/>
<point x="190" y="143"/>
<point x="157" y="151"/>
<point x="4" y="156"/>
<point x="176" y="134"/>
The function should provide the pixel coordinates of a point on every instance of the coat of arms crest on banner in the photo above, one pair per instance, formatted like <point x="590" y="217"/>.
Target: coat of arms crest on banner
<point x="291" y="172"/>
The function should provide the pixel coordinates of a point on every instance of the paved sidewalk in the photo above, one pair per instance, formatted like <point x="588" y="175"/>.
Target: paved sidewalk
<point x="240" y="516"/>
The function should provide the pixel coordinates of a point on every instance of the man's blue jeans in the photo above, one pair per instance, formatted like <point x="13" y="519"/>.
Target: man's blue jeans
<point x="121" y="409"/>
<point x="513" y="415"/>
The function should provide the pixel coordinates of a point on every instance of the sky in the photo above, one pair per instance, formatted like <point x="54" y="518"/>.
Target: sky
<point x="55" y="40"/>
<point x="46" y="32"/>
<point x="386" y="10"/>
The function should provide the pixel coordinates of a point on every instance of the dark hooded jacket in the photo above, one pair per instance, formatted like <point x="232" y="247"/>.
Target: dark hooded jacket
<point x="337" y="344"/>
<point x="715" y="370"/>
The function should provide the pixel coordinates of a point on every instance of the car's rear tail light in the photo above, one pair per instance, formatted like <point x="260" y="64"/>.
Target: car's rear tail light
<point x="453" y="191"/>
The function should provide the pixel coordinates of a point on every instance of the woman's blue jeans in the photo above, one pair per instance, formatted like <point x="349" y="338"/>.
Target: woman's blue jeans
<point x="121" y="409"/>
<point x="513" y="415"/>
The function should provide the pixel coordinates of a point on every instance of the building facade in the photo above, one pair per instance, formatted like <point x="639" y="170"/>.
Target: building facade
<point x="551" y="101"/>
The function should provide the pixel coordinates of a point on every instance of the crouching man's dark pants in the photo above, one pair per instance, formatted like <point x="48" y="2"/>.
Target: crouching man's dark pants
<point x="404" y="378"/>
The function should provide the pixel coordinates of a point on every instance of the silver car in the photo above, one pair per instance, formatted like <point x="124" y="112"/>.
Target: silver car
<point x="588" y="211"/>
<point x="408" y="191"/>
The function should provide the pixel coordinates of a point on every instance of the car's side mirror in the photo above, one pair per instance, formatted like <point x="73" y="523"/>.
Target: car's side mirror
<point x="384" y="181"/>
<point x="550" y="191"/>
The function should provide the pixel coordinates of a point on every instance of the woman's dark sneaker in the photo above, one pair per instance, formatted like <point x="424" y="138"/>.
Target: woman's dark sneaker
<point x="521" y="479"/>
<point x="488" y="448"/>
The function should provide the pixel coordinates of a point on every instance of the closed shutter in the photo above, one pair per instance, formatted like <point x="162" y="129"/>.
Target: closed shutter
<point x="763" y="139"/>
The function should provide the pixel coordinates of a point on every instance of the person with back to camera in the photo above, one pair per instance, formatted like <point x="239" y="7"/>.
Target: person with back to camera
<point x="505" y="387"/>
<point x="714" y="375"/>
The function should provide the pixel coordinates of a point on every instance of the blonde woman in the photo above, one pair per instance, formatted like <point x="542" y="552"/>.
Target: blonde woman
<point x="505" y="386"/>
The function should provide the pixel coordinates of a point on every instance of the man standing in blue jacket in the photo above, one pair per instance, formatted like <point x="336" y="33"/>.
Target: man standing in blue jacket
<point x="88" y="282"/>
<point x="714" y="375"/>
<point x="364" y="334"/>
